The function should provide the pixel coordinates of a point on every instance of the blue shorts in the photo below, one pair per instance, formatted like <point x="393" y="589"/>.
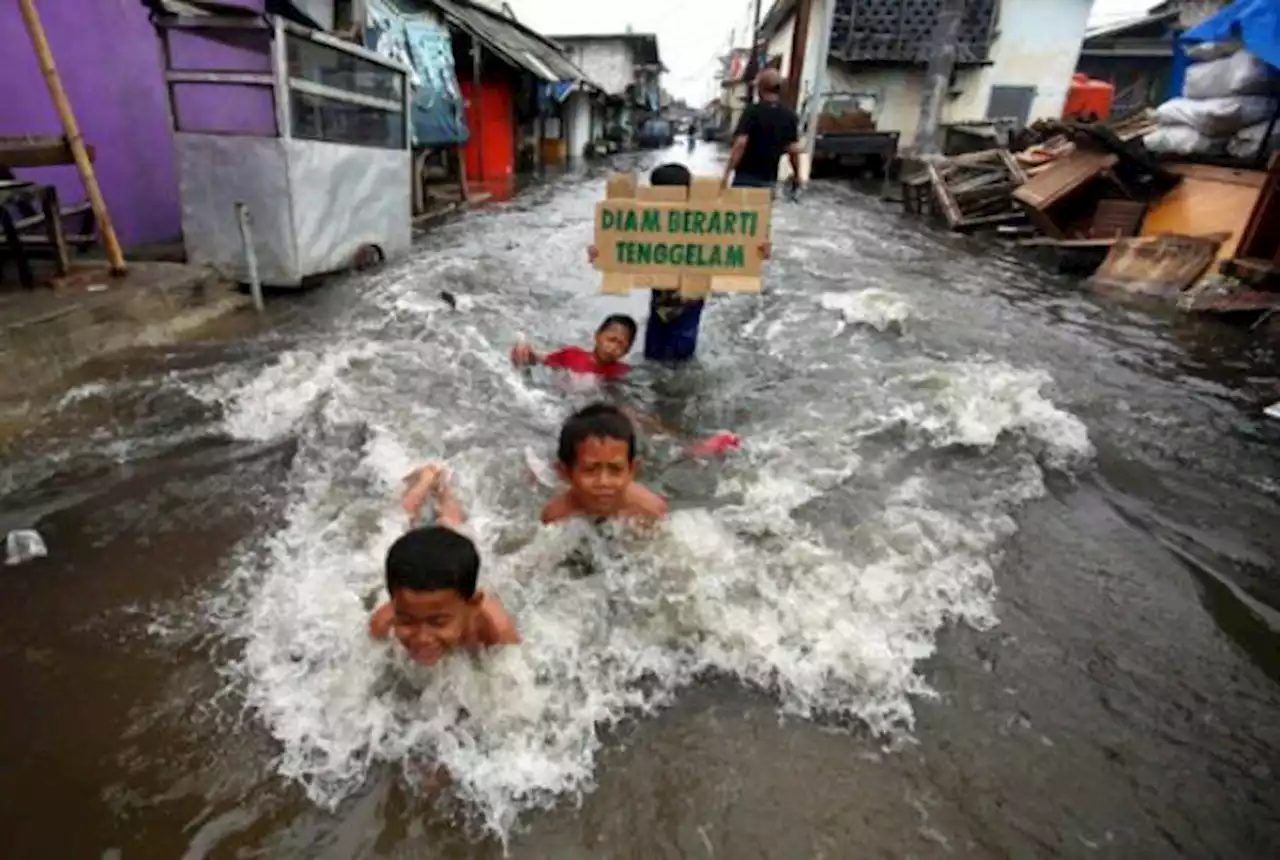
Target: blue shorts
<point x="671" y="334"/>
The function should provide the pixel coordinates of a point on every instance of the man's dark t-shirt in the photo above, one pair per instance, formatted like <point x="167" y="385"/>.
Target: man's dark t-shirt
<point x="770" y="128"/>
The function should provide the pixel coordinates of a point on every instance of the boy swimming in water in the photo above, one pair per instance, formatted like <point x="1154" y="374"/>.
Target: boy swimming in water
<point x="612" y="343"/>
<point x="597" y="458"/>
<point x="435" y="607"/>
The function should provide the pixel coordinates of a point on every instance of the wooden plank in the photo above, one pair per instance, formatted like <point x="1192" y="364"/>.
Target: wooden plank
<point x="990" y="220"/>
<point x="1066" y="175"/>
<point x="1015" y="169"/>
<point x="37" y="151"/>
<point x="1156" y="264"/>
<point x="947" y="205"/>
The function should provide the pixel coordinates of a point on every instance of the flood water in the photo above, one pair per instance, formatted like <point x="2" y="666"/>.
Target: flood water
<point x="995" y="574"/>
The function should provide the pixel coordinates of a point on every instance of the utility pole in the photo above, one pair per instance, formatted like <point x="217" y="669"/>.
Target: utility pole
<point x="937" y="80"/>
<point x="753" y="64"/>
<point x="819" y="78"/>
<point x="799" y="45"/>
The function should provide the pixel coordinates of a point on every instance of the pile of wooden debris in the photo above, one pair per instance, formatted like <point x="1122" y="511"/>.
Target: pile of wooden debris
<point x="1068" y="182"/>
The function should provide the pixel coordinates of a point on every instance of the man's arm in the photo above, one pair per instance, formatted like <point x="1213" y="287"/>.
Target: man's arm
<point x="735" y="155"/>
<point x="793" y="153"/>
<point x="794" y="148"/>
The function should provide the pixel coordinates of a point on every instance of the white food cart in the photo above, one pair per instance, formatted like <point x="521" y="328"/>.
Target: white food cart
<point x="306" y="132"/>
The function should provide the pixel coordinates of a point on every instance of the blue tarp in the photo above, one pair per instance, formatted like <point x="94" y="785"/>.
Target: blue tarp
<point x="1254" y="22"/>
<point x="422" y="43"/>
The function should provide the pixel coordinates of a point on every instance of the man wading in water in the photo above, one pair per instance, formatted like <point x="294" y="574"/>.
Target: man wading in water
<point x="767" y="130"/>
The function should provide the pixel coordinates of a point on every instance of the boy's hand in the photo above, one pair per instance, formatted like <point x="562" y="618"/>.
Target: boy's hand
<point x="766" y="250"/>
<point x="522" y="355"/>
<point x="593" y="253"/>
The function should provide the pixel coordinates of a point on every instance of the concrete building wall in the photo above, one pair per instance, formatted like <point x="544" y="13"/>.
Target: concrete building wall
<point x="608" y="63"/>
<point x="578" y="117"/>
<point x="780" y="44"/>
<point x="1038" y="45"/>
<point x="123" y="114"/>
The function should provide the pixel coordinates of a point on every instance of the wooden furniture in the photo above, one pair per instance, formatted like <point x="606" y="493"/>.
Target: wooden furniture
<point x="1257" y="256"/>
<point x="14" y="194"/>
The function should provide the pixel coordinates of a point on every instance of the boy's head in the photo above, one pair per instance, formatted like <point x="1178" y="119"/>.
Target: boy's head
<point x="670" y="174"/>
<point x="597" y="456"/>
<point x="614" y="338"/>
<point x="431" y="576"/>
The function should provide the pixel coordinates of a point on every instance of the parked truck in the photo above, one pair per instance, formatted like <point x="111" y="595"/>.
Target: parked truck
<point x="847" y="136"/>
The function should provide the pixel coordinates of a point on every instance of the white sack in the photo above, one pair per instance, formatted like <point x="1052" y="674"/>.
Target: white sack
<point x="1216" y="117"/>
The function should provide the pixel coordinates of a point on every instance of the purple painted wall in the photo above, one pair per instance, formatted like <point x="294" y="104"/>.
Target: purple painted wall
<point x="108" y="56"/>
<point x="226" y="108"/>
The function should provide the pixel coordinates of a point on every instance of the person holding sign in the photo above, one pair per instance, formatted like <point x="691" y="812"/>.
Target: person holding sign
<point x="767" y="130"/>
<point x="671" y="334"/>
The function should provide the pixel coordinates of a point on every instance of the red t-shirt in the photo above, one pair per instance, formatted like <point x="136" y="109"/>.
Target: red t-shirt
<point x="575" y="359"/>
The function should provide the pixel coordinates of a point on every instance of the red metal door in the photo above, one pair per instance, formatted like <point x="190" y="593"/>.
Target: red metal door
<point x="491" y="151"/>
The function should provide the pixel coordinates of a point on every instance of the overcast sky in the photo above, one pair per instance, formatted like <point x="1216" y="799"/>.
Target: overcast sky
<point x="693" y="33"/>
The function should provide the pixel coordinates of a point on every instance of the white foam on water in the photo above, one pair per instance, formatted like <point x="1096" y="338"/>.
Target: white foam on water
<point x="273" y="402"/>
<point x="974" y="403"/>
<point x="883" y="310"/>
<point x="832" y="625"/>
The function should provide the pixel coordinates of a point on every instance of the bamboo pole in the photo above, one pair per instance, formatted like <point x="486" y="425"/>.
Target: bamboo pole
<point x="115" y="257"/>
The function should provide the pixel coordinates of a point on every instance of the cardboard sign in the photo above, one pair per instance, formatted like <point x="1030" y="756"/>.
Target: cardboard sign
<point x="692" y="239"/>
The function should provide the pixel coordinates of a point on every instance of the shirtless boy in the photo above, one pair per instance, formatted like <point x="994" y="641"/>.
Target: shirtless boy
<point x="597" y="458"/>
<point x="435" y="606"/>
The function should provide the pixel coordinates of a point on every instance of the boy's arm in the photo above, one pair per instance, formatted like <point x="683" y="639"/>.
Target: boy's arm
<point x="380" y="622"/>
<point x="645" y="502"/>
<point x="523" y="355"/>
<point x="556" y="510"/>
<point x="502" y="629"/>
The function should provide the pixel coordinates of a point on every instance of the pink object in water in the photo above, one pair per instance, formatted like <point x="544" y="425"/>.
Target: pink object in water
<point x="721" y="443"/>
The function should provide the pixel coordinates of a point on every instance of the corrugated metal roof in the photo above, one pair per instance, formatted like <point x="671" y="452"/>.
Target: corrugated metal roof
<point x="512" y="41"/>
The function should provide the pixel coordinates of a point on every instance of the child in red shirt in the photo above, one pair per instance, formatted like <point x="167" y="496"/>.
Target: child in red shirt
<point x="612" y="343"/>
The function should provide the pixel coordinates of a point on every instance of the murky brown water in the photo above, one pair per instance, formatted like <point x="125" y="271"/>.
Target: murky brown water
<point x="995" y="577"/>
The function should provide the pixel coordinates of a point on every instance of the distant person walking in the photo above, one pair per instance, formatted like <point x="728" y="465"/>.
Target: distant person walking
<point x="767" y="130"/>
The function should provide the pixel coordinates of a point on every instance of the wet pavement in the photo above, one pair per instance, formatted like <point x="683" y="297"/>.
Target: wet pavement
<point x="994" y="575"/>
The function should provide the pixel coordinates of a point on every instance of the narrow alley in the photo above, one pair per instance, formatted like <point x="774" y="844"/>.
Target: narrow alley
<point x="997" y="552"/>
